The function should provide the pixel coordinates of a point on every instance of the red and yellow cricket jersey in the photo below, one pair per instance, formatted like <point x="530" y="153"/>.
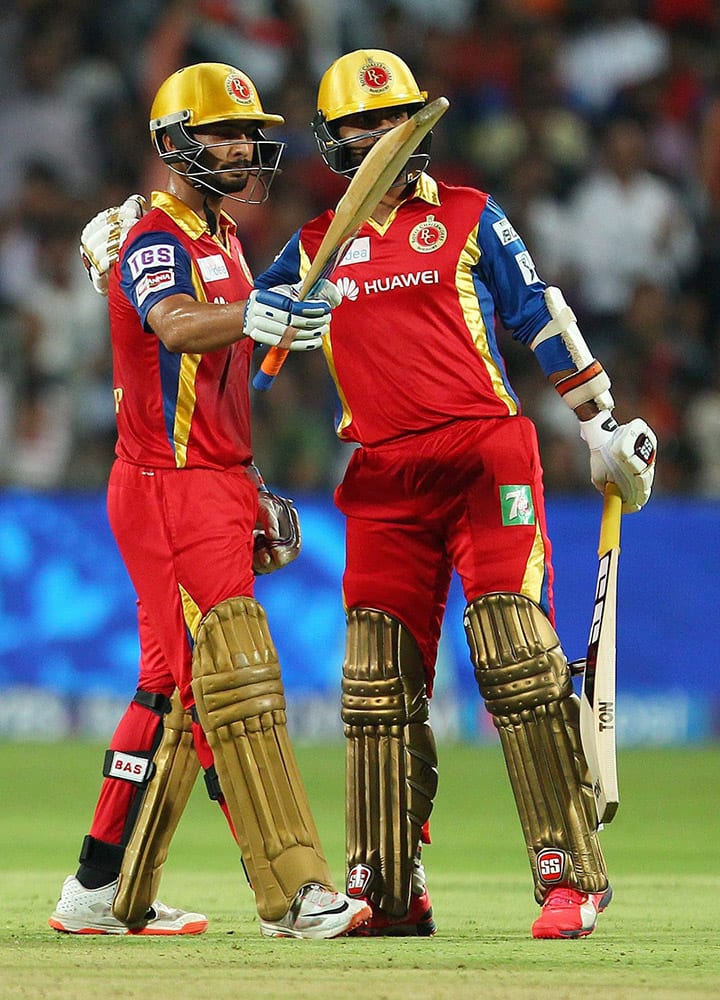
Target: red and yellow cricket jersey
<point x="448" y="474"/>
<point x="413" y="344"/>
<point x="178" y="410"/>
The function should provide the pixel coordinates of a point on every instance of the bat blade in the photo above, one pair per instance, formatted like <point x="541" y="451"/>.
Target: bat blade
<point x="366" y="190"/>
<point x="598" y="698"/>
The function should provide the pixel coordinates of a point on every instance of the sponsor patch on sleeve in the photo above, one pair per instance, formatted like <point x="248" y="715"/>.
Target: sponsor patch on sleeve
<point x="505" y="231"/>
<point x="149" y="258"/>
<point x="153" y="283"/>
<point x="527" y="267"/>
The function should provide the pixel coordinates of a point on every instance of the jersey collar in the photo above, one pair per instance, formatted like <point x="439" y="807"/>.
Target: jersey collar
<point x="427" y="189"/>
<point x="190" y="222"/>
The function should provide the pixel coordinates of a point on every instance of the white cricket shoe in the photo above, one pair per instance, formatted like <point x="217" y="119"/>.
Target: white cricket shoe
<point x="89" y="911"/>
<point x="318" y="912"/>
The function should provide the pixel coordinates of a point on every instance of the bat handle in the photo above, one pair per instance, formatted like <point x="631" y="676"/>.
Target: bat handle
<point x="271" y="365"/>
<point x="610" y="524"/>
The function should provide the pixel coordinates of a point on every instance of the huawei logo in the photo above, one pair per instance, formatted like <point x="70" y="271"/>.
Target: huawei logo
<point x="347" y="288"/>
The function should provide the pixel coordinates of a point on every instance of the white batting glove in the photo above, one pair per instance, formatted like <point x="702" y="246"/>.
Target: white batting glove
<point x="325" y="290"/>
<point x="269" y="312"/>
<point x="102" y="237"/>
<point x="623" y="454"/>
<point x="277" y="537"/>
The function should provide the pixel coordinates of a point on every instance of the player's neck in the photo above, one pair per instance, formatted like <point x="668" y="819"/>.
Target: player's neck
<point x="195" y="198"/>
<point x="390" y="202"/>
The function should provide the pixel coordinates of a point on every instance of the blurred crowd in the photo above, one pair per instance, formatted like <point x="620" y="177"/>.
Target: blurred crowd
<point x="596" y="125"/>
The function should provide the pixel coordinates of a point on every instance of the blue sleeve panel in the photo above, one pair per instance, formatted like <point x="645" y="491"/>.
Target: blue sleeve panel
<point x="154" y="266"/>
<point x="509" y="272"/>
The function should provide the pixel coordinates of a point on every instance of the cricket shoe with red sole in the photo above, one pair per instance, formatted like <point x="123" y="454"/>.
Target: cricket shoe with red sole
<point x="417" y="922"/>
<point x="89" y="911"/>
<point x="570" y="913"/>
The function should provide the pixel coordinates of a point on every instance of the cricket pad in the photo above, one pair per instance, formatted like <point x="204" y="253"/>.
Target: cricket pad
<point x="164" y="801"/>
<point x="240" y="704"/>
<point x="525" y="681"/>
<point x="391" y="760"/>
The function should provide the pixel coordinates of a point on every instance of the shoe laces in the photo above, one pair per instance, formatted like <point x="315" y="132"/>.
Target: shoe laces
<point x="564" y="895"/>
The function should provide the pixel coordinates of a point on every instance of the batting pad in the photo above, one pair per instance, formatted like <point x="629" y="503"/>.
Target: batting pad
<point x="241" y="707"/>
<point x="176" y="768"/>
<point x="524" y="678"/>
<point x="391" y="761"/>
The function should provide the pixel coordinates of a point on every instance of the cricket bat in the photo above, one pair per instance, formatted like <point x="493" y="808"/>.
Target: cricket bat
<point x="366" y="190"/>
<point x="597" y="701"/>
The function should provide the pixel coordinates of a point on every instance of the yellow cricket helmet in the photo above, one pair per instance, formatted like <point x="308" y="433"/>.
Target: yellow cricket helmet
<point x="364" y="80"/>
<point x="204" y="94"/>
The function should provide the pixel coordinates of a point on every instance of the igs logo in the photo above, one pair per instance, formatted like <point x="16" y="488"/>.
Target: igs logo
<point x="551" y="865"/>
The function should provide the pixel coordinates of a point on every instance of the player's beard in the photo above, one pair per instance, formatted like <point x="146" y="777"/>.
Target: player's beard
<point x="224" y="177"/>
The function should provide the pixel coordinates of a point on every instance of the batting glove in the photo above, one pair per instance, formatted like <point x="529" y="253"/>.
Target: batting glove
<point x="623" y="454"/>
<point x="102" y="237"/>
<point x="277" y="537"/>
<point x="269" y="312"/>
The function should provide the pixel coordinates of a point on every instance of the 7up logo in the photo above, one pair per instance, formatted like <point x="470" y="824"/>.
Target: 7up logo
<point x="516" y="505"/>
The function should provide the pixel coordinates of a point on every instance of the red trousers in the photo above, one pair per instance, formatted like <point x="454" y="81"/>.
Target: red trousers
<point x="467" y="496"/>
<point x="185" y="537"/>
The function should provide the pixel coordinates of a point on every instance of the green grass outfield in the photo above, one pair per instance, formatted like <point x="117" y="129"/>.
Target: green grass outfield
<point x="659" y="939"/>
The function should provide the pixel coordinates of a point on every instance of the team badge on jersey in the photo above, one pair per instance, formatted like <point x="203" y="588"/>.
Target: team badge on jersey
<point x="375" y="77"/>
<point x="238" y="88"/>
<point x="428" y="236"/>
<point x="516" y="505"/>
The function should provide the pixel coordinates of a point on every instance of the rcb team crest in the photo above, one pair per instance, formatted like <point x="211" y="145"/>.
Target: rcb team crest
<point x="428" y="235"/>
<point x="375" y="77"/>
<point x="239" y="89"/>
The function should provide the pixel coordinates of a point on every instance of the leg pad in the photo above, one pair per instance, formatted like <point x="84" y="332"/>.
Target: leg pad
<point x="391" y="760"/>
<point x="165" y="798"/>
<point x="241" y="707"/>
<point x="524" y="678"/>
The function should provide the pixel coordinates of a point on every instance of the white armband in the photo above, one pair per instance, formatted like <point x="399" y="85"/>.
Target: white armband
<point x="590" y="383"/>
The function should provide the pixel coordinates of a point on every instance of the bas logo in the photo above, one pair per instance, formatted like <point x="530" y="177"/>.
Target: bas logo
<point x="516" y="505"/>
<point x="129" y="767"/>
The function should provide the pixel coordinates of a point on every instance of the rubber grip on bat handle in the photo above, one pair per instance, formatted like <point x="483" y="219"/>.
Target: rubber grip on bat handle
<point x="610" y="525"/>
<point x="271" y="365"/>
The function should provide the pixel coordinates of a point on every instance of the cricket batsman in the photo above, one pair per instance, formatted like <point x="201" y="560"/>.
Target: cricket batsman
<point x="194" y="522"/>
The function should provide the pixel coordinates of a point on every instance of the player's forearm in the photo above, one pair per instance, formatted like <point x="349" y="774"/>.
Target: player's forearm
<point x="190" y="327"/>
